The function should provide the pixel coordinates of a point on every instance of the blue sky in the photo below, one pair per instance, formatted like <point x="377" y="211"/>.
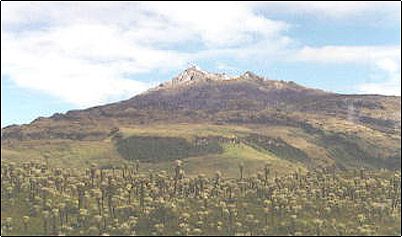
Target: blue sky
<point x="61" y="56"/>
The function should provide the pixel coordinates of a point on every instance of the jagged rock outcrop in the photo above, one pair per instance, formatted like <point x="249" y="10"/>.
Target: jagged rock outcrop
<point x="192" y="75"/>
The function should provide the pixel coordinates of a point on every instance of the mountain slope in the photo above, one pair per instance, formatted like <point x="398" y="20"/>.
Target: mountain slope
<point x="282" y="119"/>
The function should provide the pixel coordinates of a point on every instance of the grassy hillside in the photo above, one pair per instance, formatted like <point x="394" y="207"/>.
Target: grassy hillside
<point x="258" y="144"/>
<point x="222" y="156"/>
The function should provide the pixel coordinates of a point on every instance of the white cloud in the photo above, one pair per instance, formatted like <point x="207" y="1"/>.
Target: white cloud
<point x="84" y="53"/>
<point x="391" y="82"/>
<point x="372" y="12"/>
<point x="347" y="54"/>
<point x="81" y="64"/>
<point x="389" y="65"/>
<point x="90" y="53"/>
<point x="218" y="23"/>
<point x="390" y="87"/>
<point x="384" y="61"/>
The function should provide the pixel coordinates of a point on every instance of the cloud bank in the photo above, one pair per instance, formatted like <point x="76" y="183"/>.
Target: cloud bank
<point x="91" y="53"/>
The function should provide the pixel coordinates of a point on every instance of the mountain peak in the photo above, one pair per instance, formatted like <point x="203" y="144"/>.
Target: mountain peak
<point x="192" y="75"/>
<point x="194" y="68"/>
<point x="251" y="76"/>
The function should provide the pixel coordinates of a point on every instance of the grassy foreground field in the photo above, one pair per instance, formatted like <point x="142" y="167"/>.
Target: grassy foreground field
<point x="41" y="200"/>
